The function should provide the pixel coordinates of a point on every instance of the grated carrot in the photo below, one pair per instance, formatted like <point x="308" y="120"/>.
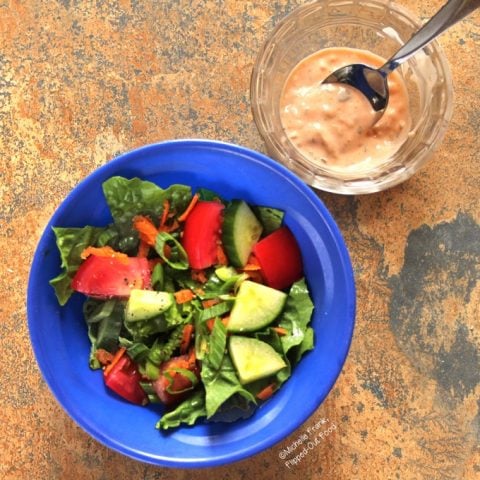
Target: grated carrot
<point x="166" y="210"/>
<point x="186" y="338"/>
<point x="116" y="358"/>
<point x="255" y="276"/>
<point x="210" y="302"/>
<point x="252" y="264"/>
<point x="147" y="230"/>
<point x="221" y="256"/>
<point x="170" y="228"/>
<point x="280" y="330"/>
<point x="105" y="251"/>
<point x="167" y="250"/>
<point x="251" y="267"/>
<point x="267" y="392"/>
<point x="187" y="211"/>
<point x="103" y="357"/>
<point x="143" y="249"/>
<point x="199" y="276"/>
<point x="184" y="295"/>
<point x="211" y="322"/>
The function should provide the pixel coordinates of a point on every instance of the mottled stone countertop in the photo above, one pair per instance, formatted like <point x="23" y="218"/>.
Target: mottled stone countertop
<point x="82" y="81"/>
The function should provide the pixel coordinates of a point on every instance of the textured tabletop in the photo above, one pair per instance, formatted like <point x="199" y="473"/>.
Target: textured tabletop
<point x="82" y="81"/>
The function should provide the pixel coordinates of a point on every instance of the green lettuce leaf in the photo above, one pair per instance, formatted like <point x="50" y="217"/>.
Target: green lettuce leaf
<point x="271" y="337"/>
<point x="187" y="412"/>
<point x="104" y="321"/>
<point x="71" y="242"/>
<point x="218" y="376"/>
<point x="235" y="408"/>
<point x="270" y="218"/>
<point x="296" y="316"/>
<point x="129" y="197"/>
<point x="306" y="345"/>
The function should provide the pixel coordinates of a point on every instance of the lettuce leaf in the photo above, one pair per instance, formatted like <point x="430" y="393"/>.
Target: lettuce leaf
<point x="218" y="373"/>
<point x="104" y="321"/>
<point x="271" y="337"/>
<point x="187" y="412"/>
<point x="129" y="197"/>
<point x="141" y="330"/>
<point x="71" y="242"/>
<point x="235" y="408"/>
<point x="270" y="218"/>
<point x="295" y="318"/>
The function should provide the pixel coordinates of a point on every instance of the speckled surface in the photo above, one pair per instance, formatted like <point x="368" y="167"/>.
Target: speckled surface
<point x="83" y="81"/>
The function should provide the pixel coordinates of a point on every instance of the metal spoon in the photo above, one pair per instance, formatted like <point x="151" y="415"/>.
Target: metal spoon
<point x="373" y="82"/>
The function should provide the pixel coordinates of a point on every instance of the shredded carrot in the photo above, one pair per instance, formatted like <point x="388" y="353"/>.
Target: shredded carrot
<point x="199" y="276"/>
<point x="184" y="295"/>
<point x="191" y="357"/>
<point x="174" y="226"/>
<point x="147" y="230"/>
<point x="251" y="267"/>
<point x="143" y="249"/>
<point x="210" y="302"/>
<point x="267" y="392"/>
<point x="167" y="250"/>
<point x="211" y="322"/>
<point x="116" y="358"/>
<point x="255" y="276"/>
<point x="166" y="210"/>
<point x="221" y="256"/>
<point x="187" y="211"/>
<point x="105" y="251"/>
<point x="252" y="264"/>
<point x="280" y="330"/>
<point x="169" y="228"/>
<point x="186" y="338"/>
<point x="103" y="357"/>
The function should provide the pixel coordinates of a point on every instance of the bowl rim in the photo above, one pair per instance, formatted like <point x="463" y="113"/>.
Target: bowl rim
<point x="110" y="168"/>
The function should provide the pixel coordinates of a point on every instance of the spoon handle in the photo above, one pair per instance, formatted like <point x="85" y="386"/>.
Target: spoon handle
<point x="449" y="14"/>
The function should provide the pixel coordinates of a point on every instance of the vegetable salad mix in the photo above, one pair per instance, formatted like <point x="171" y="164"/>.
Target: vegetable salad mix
<point x="191" y="300"/>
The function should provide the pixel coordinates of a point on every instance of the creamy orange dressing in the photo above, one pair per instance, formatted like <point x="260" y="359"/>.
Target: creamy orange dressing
<point x="333" y="124"/>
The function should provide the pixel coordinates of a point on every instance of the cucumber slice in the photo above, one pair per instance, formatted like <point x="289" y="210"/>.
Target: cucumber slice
<point x="253" y="359"/>
<point x="255" y="306"/>
<point x="240" y="232"/>
<point x="145" y="304"/>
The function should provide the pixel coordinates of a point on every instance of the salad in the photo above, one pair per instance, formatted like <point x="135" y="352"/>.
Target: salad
<point x="192" y="301"/>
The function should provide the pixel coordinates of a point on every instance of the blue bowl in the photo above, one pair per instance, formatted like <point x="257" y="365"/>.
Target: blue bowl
<point x="59" y="336"/>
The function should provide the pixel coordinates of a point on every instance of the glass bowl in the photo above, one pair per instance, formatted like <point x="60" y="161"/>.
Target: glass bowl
<point x="375" y="25"/>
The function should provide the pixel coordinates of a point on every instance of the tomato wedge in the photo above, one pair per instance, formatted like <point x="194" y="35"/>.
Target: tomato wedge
<point x="201" y="234"/>
<point x="105" y="277"/>
<point x="124" y="379"/>
<point x="280" y="258"/>
<point x="175" y="382"/>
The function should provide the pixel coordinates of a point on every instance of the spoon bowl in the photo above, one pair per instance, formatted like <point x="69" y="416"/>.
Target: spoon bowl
<point x="370" y="81"/>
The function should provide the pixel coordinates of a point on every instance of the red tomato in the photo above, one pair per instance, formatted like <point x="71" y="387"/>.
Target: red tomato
<point x="202" y="234"/>
<point x="105" y="277"/>
<point x="124" y="379"/>
<point x="280" y="258"/>
<point x="171" y="381"/>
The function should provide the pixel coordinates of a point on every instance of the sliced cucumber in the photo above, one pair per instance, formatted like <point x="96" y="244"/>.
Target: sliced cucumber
<point x="145" y="304"/>
<point x="255" y="306"/>
<point x="253" y="359"/>
<point x="240" y="232"/>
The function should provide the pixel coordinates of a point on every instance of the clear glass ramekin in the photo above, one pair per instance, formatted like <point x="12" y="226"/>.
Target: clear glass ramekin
<point x="375" y="25"/>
